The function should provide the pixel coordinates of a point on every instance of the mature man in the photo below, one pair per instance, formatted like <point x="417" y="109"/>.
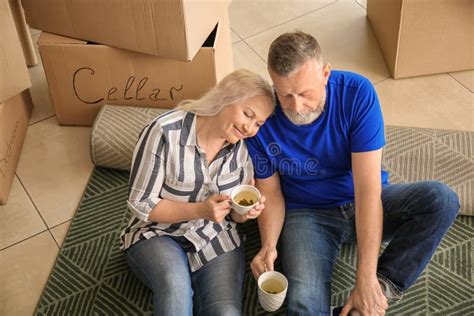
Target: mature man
<point x="318" y="162"/>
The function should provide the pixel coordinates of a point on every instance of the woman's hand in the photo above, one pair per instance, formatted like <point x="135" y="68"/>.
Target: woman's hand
<point x="216" y="208"/>
<point x="252" y="214"/>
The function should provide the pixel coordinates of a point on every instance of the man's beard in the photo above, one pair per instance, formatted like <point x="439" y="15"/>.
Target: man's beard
<point x="308" y="118"/>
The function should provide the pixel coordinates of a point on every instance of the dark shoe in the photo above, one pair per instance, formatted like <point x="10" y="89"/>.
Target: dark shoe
<point x="336" y="311"/>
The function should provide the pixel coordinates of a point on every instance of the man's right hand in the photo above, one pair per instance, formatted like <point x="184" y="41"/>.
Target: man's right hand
<point x="263" y="261"/>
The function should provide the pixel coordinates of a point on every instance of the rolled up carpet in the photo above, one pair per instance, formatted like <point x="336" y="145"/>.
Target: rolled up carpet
<point x="411" y="154"/>
<point x="115" y="134"/>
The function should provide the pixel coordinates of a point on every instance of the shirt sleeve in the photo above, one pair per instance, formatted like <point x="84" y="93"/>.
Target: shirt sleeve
<point x="263" y="166"/>
<point x="148" y="172"/>
<point x="248" y="171"/>
<point x="367" y="126"/>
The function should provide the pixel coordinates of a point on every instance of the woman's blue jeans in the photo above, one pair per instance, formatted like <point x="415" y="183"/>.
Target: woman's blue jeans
<point x="416" y="217"/>
<point x="162" y="265"/>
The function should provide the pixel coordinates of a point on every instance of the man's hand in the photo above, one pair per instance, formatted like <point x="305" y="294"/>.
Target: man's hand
<point x="263" y="261"/>
<point x="366" y="298"/>
<point x="270" y="224"/>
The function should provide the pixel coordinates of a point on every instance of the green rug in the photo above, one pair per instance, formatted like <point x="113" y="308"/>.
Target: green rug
<point x="91" y="277"/>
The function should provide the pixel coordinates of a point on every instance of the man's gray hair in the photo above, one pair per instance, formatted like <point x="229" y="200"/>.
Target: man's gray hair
<point x="290" y="50"/>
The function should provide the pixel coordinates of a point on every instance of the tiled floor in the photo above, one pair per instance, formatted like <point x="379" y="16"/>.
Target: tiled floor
<point x="55" y="165"/>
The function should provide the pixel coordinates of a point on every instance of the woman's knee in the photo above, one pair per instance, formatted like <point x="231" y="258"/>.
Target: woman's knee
<point x="172" y="296"/>
<point x="163" y="268"/>
<point x="173" y="284"/>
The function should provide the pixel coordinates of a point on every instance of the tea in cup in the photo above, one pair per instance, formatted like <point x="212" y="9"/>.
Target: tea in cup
<point x="272" y="288"/>
<point x="244" y="198"/>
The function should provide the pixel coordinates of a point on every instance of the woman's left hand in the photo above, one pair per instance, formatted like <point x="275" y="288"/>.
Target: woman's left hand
<point x="252" y="214"/>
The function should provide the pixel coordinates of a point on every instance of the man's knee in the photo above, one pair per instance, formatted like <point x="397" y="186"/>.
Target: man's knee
<point x="225" y="307"/>
<point x="445" y="202"/>
<point x="309" y="296"/>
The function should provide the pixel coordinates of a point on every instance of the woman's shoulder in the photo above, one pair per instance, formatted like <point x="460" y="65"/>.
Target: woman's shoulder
<point x="169" y="117"/>
<point x="168" y="120"/>
<point x="162" y="122"/>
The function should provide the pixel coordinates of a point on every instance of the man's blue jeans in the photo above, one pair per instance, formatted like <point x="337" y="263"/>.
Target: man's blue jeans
<point x="162" y="265"/>
<point x="416" y="217"/>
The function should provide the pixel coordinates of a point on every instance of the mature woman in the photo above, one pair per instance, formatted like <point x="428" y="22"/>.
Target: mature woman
<point x="182" y="240"/>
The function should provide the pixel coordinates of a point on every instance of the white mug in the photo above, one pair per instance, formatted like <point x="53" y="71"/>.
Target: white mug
<point x="272" y="288"/>
<point x="249" y="192"/>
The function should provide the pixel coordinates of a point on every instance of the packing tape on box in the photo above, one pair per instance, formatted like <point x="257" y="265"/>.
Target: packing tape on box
<point x="115" y="134"/>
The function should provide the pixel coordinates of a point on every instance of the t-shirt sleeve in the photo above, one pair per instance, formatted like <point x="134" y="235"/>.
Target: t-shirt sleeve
<point x="367" y="126"/>
<point x="262" y="164"/>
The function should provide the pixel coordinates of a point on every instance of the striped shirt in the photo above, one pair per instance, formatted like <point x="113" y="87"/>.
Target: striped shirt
<point x="168" y="164"/>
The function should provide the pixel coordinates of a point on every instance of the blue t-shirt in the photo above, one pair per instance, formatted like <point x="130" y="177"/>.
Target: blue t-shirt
<point x="314" y="160"/>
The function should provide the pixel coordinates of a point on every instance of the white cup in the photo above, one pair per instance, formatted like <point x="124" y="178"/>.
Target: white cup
<point x="272" y="288"/>
<point x="244" y="191"/>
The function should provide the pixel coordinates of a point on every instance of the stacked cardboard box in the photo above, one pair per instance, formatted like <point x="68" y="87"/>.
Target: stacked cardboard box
<point x="15" y="100"/>
<point x="149" y="53"/>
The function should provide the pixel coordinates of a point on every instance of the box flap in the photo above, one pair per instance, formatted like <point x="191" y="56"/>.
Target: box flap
<point x="197" y="22"/>
<point x="223" y="48"/>
<point x="385" y="19"/>
<point x="14" y="76"/>
<point x="48" y="38"/>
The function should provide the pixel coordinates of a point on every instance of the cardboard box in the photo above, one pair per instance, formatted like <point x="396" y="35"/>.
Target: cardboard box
<point x="14" y="76"/>
<point x="83" y="76"/>
<point x="24" y="33"/>
<point x="167" y="28"/>
<point x="421" y="37"/>
<point x="14" y="118"/>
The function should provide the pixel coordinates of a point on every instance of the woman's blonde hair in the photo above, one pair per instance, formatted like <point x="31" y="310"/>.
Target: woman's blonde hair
<point x="235" y="88"/>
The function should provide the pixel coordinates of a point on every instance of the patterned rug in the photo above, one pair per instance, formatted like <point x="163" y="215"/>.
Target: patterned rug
<point x="91" y="277"/>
